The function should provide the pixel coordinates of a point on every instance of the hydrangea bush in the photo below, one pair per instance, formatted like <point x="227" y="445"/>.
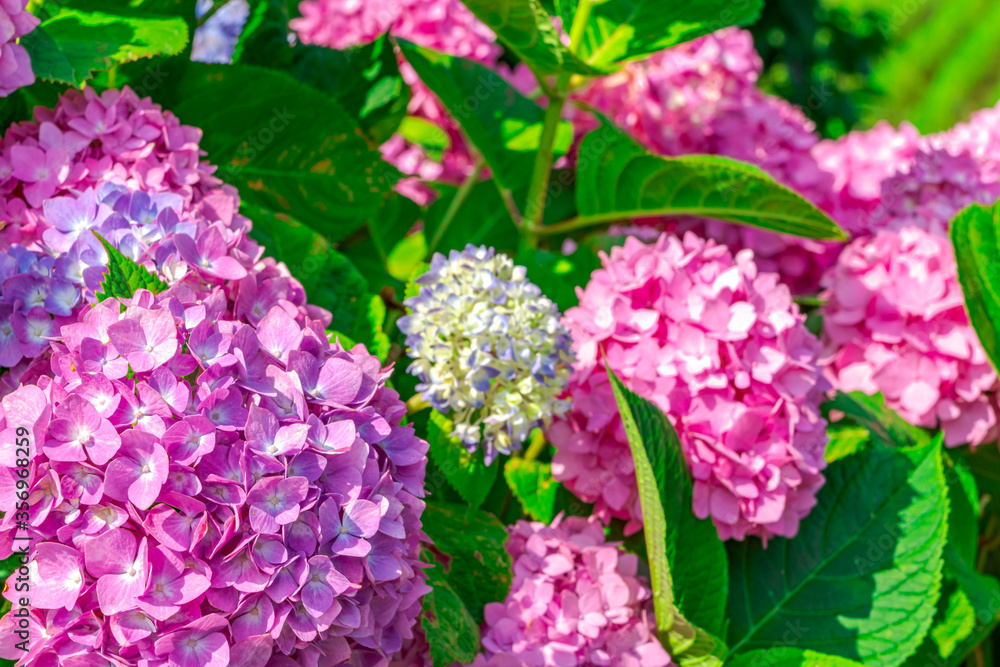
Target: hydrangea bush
<point x="424" y="333"/>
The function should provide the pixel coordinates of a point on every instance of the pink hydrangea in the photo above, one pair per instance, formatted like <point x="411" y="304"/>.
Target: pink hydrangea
<point x="15" y="63"/>
<point x="443" y="25"/>
<point x="212" y="480"/>
<point x="895" y="323"/>
<point x="722" y="349"/>
<point x="575" y="599"/>
<point x="702" y="97"/>
<point x="90" y="139"/>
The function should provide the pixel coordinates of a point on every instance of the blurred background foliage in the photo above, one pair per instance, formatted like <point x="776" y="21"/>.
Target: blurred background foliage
<point x="850" y="63"/>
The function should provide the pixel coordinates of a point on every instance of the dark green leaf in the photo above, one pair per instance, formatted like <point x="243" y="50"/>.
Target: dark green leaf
<point x="622" y="30"/>
<point x="559" y="275"/>
<point x="527" y="29"/>
<point x="782" y="656"/>
<point x="479" y="570"/>
<point x="430" y="137"/>
<point x="619" y="180"/>
<point x="452" y="633"/>
<point x="975" y="236"/>
<point x="862" y="578"/>
<point x="465" y="471"/>
<point x="534" y="487"/>
<point x="73" y="43"/>
<point x="503" y="125"/>
<point x="665" y="492"/>
<point x="124" y="276"/>
<point x="288" y="148"/>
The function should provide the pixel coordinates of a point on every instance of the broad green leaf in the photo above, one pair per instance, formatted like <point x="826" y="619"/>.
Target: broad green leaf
<point x="622" y="30"/>
<point x="527" y="29"/>
<point x="482" y="219"/>
<point x="532" y="484"/>
<point x="124" y="276"/>
<point x="665" y="493"/>
<point x="479" y="570"/>
<point x="288" y="148"/>
<point x="976" y="239"/>
<point x="452" y="632"/>
<point x="407" y="256"/>
<point x="786" y="656"/>
<point x="73" y="43"/>
<point x="862" y="578"/>
<point x="885" y="427"/>
<point x="620" y="180"/>
<point x="503" y="125"/>
<point x="465" y="471"/>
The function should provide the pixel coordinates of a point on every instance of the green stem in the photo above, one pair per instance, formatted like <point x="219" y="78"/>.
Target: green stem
<point x="580" y="19"/>
<point x="537" y="445"/>
<point x="535" y="208"/>
<point x="463" y="193"/>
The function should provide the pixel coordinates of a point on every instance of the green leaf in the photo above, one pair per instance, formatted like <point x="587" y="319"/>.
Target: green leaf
<point x="124" y="276"/>
<point x="479" y="569"/>
<point x="465" y="471"/>
<point x="504" y="126"/>
<point x="784" y="656"/>
<point x="885" y="427"/>
<point x="620" y="180"/>
<point x="975" y="237"/>
<point x="665" y="493"/>
<point x="365" y="79"/>
<point x="430" y="137"/>
<point x="73" y="43"/>
<point x="288" y="148"/>
<point x="558" y="275"/>
<point x="452" y="632"/>
<point x="527" y="29"/>
<point x="862" y="578"/>
<point x="845" y="440"/>
<point x="482" y="219"/>
<point x="621" y="30"/>
<point x="534" y="487"/>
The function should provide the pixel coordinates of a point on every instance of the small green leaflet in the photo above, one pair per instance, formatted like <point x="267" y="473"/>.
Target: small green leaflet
<point x="124" y="276"/>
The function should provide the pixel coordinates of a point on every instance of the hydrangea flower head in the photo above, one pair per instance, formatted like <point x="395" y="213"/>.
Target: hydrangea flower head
<point x="895" y="323"/>
<point x="575" y="600"/>
<point x="722" y="349"/>
<point x="212" y="479"/>
<point x="488" y="347"/>
<point x="15" y="63"/>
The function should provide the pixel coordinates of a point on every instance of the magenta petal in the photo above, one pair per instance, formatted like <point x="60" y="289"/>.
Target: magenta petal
<point x="60" y="576"/>
<point x="339" y="381"/>
<point x="362" y="517"/>
<point x="111" y="553"/>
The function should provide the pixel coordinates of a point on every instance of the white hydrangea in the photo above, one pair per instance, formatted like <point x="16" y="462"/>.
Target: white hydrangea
<point x="488" y="347"/>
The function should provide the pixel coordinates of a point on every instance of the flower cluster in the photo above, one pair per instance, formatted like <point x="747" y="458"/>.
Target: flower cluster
<point x="702" y="97"/>
<point x="575" y="600"/>
<point x="211" y="478"/>
<point x="15" y="63"/>
<point x="92" y="138"/>
<point x="488" y="347"/>
<point x="895" y="323"/>
<point x="722" y="349"/>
